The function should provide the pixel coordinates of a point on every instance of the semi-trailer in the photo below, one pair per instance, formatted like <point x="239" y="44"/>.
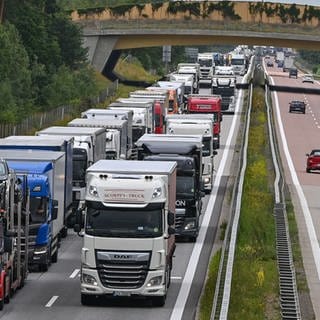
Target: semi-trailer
<point x="89" y="147"/>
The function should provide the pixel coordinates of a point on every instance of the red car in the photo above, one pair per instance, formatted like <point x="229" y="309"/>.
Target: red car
<point x="313" y="160"/>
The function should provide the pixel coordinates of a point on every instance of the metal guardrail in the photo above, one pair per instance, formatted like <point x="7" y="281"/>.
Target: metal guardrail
<point x="289" y="301"/>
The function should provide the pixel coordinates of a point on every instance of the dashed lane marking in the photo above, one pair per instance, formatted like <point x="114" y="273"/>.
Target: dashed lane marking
<point x="74" y="273"/>
<point x="52" y="301"/>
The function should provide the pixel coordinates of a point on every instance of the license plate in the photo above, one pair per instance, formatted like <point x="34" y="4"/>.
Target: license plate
<point x="121" y="294"/>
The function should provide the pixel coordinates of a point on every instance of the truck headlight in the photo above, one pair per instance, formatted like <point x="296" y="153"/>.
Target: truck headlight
<point x="155" y="281"/>
<point x="190" y="225"/>
<point x="40" y="250"/>
<point x="156" y="192"/>
<point x="207" y="180"/>
<point x="88" y="279"/>
<point x="93" y="191"/>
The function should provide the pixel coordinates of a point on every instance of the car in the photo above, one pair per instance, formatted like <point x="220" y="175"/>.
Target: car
<point x="308" y="78"/>
<point x="293" y="72"/>
<point x="313" y="160"/>
<point x="297" y="106"/>
<point x="270" y="63"/>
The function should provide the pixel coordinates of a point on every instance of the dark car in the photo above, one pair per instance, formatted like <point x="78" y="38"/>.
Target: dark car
<point x="270" y="63"/>
<point x="293" y="73"/>
<point x="297" y="106"/>
<point x="313" y="160"/>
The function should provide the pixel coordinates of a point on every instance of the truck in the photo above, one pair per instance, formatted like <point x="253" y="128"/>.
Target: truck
<point x="225" y="86"/>
<point x="190" y="124"/>
<point x="187" y="79"/>
<point x="206" y="63"/>
<point x="61" y="144"/>
<point x="89" y="147"/>
<point x="186" y="150"/>
<point x="14" y="215"/>
<point x="239" y="63"/>
<point x="288" y="63"/>
<point x="178" y="87"/>
<point x="190" y="68"/>
<point x="45" y="172"/>
<point x="198" y="103"/>
<point x="160" y="98"/>
<point x="279" y="59"/>
<point x="171" y="92"/>
<point x="224" y="71"/>
<point x="94" y="113"/>
<point x="128" y="239"/>
<point x="116" y="134"/>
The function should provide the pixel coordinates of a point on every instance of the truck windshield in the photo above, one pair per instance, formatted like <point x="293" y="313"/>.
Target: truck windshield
<point x="185" y="187"/>
<point x="237" y="62"/>
<point x="124" y="222"/>
<point x="38" y="209"/>
<point x="206" y="146"/>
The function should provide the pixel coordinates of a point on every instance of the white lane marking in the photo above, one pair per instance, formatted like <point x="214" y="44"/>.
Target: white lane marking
<point x="176" y="278"/>
<point x="304" y="204"/>
<point x="52" y="301"/>
<point x="194" y="258"/>
<point x="74" y="273"/>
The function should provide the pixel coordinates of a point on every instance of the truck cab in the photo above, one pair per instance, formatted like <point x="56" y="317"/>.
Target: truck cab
<point x="129" y="241"/>
<point x="187" y="152"/>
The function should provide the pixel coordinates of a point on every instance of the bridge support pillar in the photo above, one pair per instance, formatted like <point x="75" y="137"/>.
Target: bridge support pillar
<point x="100" y="49"/>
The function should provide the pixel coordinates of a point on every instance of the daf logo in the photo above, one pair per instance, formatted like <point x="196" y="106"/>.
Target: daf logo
<point x="121" y="256"/>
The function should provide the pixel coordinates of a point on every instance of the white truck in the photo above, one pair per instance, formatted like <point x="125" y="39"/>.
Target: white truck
<point x="190" y="124"/>
<point x="114" y="114"/>
<point x="206" y="62"/>
<point x="239" y="63"/>
<point x="116" y="134"/>
<point x="193" y="69"/>
<point x="225" y="86"/>
<point x="128" y="240"/>
<point x="288" y="63"/>
<point x="89" y="147"/>
<point x="142" y="115"/>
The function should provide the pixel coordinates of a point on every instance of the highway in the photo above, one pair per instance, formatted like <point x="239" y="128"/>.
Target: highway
<point x="298" y="134"/>
<point x="55" y="294"/>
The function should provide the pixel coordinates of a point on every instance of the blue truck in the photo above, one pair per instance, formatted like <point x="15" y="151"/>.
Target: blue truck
<point x="45" y="172"/>
<point x="63" y="144"/>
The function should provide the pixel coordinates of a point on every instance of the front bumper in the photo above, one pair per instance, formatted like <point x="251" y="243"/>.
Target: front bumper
<point x="97" y="288"/>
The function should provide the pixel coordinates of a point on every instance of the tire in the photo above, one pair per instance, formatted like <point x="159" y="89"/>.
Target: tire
<point x="308" y="170"/>
<point x="64" y="232"/>
<point x="54" y="257"/>
<point x="6" y="298"/>
<point x="158" y="301"/>
<point x="86" y="299"/>
<point x="1" y="304"/>
<point x="45" y="266"/>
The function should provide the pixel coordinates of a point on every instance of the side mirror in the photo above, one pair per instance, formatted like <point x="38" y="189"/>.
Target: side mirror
<point x="171" y="231"/>
<point x="54" y="213"/>
<point x="214" y="152"/>
<point x="8" y="245"/>
<point x="170" y="218"/>
<point x="77" y="228"/>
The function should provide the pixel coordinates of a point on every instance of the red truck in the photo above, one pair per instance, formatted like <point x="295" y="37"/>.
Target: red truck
<point x="204" y="104"/>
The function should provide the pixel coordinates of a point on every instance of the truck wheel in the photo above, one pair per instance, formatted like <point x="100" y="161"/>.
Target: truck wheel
<point x="6" y="296"/>
<point x="64" y="232"/>
<point x="54" y="257"/>
<point x="308" y="170"/>
<point x="45" y="266"/>
<point x="86" y="299"/>
<point x="1" y="304"/>
<point x="158" y="301"/>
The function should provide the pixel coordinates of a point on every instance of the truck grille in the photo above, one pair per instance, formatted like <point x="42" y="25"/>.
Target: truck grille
<point x="122" y="270"/>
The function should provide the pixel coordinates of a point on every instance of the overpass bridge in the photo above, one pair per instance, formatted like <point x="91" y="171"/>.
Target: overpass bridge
<point x="109" y="30"/>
